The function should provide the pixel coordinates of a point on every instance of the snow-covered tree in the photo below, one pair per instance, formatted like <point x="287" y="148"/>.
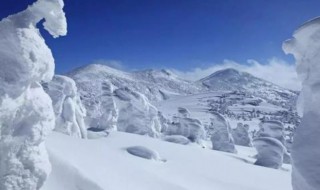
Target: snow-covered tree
<point x="221" y="137"/>
<point x="67" y="106"/>
<point x="136" y="114"/>
<point x="270" y="152"/>
<point x="305" y="46"/>
<point x="241" y="135"/>
<point x="273" y="130"/>
<point x="185" y="125"/>
<point x="26" y="113"/>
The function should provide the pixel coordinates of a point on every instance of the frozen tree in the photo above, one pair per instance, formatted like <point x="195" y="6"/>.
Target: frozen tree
<point x="67" y="106"/>
<point x="136" y="114"/>
<point x="26" y="113"/>
<point x="97" y="97"/>
<point x="221" y="137"/>
<point x="305" y="46"/>
<point x="186" y="126"/>
<point x="241" y="135"/>
<point x="270" y="152"/>
<point x="274" y="129"/>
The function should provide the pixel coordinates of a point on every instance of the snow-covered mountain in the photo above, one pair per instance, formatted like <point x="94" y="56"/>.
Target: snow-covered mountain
<point x="156" y="85"/>
<point x="234" y="80"/>
<point x="242" y="98"/>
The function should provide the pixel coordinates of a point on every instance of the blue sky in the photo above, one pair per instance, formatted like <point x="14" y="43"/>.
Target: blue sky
<point x="178" y="34"/>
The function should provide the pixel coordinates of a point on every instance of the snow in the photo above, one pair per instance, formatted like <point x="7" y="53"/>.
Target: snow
<point x="105" y="164"/>
<point x="68" y="108"/>
<point x="144" y="152"/>
<point x="26" y="113"/>
<point x="179" y="139"/>
<point x="305" y="47"/>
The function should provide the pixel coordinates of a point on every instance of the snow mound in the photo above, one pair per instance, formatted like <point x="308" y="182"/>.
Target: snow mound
<point x="178" y="139"/>
<point x="305" y="48"/>
<point x="67" y="105"/>
<point x="144" y="152"/>
<point x="26" y="113"/>
<point x="221" y="137"/>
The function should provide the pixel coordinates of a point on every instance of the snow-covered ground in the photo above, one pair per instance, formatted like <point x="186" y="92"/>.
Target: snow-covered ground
<point x="104" y="164"/>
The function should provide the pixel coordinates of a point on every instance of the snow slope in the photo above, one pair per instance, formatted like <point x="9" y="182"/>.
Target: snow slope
<point x="104" y="164"/>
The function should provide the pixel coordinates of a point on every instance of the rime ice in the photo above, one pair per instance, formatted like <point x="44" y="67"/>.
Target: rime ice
<point x="26" y="114"/>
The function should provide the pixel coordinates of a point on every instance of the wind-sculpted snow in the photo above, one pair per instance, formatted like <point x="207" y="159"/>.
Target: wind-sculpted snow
<point x="221" y="137"/>
<point x="26" y="113"/>
<point x="136" y="114"/>
<point x="305" y="46"/>
<point x="178" y="139"/>
<point x="67" y="105"/>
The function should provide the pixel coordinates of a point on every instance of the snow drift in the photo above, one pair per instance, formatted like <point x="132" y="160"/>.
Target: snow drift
<point x="26" y="113"/>
<point x="305" y="46"/>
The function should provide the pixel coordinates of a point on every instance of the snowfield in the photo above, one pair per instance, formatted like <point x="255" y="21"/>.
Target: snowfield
<point x="105" y="164"/>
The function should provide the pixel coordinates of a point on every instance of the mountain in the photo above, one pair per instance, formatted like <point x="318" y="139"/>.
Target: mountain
<point x="109" y="93"/>
<point x="156" y="85"/>
<point x="234" y="80"/>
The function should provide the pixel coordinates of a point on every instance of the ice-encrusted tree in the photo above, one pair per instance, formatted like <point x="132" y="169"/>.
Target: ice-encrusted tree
<point x="136" y="114"/>
<point x="26" y="113"/>
<point x="270" y="145"/>
<point x="67" y="106"/>
<point x="305" y="46"/>
<point x="221" y="137"/>
<point x="241" y="135"/>
<point x="186" y="126"/>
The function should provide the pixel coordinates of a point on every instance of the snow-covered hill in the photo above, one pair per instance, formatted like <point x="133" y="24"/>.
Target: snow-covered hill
<point x="156" y="85"/>
<point x="104" y="164"/>
<point x="234" y="80"/>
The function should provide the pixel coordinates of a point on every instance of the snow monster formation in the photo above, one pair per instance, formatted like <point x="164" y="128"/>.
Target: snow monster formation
<point x="221" y="137"/>
<point x="136" y="114"/>
<point x="241" y="135"/>
<point x="270" y="145"/>
<point x="67" y="106"/>
<point x="305" y="47"/>
<point x="186" y="126"/>
<point x="26" y="113"/>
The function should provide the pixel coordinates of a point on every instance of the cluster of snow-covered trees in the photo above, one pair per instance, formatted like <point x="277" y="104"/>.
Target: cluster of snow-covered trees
<point x="28" y="114"/>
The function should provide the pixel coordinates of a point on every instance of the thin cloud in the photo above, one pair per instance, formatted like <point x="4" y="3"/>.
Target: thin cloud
<point x="111" y="63"/>
<point x="275" y="70"/>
